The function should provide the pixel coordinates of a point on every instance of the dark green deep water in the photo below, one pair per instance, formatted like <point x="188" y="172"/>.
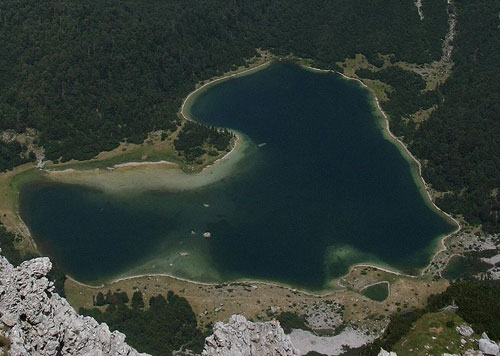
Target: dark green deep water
<point x="325" y="192"/>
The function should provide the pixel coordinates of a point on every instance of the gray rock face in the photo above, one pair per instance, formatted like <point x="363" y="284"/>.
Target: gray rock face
<point x="240" y="337"/>
<point x="40" y="322"/>
<point x="488" y="347"/>
<point x="465" y="330"/>
<point x="386" y="353"/>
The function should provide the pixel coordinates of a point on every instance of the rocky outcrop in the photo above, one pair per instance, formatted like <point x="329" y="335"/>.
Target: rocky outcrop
<point x="38" y="321"/>
<point x="240" y="337"/>
<point x="487" y="346"/>
<point x="465" y="330"/>
<point x="386" y="353"/>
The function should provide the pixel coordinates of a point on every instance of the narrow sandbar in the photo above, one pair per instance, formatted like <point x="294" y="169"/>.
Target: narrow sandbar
<point x="144" y="176"/>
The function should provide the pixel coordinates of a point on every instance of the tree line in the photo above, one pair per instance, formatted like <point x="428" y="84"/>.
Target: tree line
<point x="166" y="325"/>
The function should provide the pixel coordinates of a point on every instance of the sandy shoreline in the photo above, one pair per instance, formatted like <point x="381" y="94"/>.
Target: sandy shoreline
<point x="319" y="294"/>
<point x="132" y="177"/>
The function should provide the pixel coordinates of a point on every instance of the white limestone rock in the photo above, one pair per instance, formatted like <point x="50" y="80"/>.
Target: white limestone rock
<point x="488" y="347"/>
<point x="239" y="337"/>
<point x="465" y="330"/>
<point x="40" y="322"/>
<point x="386" y="353"/>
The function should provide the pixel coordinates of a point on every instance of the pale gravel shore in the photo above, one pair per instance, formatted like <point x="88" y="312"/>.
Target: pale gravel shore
<point x="133" y="177"/>
<point x="146" y="163"/>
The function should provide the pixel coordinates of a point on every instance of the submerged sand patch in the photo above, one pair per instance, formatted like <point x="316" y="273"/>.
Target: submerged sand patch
<point x="144" y="176"/>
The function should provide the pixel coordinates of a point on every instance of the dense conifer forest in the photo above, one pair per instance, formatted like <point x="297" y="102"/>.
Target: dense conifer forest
<point x="90" y="74"/>
<point x="11" y="155"/>
<point x="460" y="143"/>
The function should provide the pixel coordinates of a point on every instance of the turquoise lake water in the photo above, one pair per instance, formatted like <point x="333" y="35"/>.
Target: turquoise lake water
<point x="326" y="191"/>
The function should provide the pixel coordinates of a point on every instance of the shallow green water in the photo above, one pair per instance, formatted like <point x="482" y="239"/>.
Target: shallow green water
<point x="378" y="292"/>
<point x="324" y="192"/>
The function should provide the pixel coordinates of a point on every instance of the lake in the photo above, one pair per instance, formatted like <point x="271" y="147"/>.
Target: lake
<point x="319" y="189"/>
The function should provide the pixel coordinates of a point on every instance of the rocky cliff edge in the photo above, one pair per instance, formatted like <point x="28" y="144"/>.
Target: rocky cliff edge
<point x="38" y="321"/>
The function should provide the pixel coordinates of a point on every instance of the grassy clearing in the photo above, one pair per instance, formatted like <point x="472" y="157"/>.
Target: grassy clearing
<point x="434" y="334"/>
<point x="351" y="65"/>
<point x="434" y="74"/>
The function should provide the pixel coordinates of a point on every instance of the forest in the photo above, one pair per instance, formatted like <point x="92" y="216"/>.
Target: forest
<point x="407" y="96"/>
<point x="460" y="142"/>
<point x="167" y="325"/>
<point x="194" y="137"/>
<point x="91" y="74"/>
<point x="11" y="155"/>
<point x="472" y="297"/>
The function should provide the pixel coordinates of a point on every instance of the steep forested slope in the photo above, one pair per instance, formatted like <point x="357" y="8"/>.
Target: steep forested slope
<point x="461" y="140"/>
<point x="88" y="74"/>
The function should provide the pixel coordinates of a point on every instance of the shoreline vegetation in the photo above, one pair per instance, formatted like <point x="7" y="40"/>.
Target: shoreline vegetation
<point x="88" y="177"/>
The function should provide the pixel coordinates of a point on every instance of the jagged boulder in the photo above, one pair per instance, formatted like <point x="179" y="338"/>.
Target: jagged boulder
<point x="488" y="347"/>
<point x="40" y="322"/>
<point x="465" y="330"/>
<point x="386" y="353"/>
<point x="240" y="337"/>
